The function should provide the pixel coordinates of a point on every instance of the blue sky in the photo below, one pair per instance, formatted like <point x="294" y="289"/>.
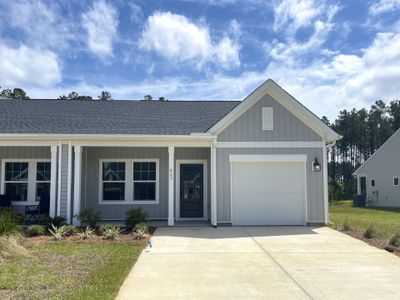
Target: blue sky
<point x="330" y="55"/>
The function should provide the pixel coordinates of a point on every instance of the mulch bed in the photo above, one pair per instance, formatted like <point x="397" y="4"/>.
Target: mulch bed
<point x="375" y="242"/>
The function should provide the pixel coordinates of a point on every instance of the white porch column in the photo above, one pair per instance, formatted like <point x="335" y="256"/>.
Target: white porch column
<point x="325" y="180"/>
<point x="171" y="163"/>
<point x="53" y="182"/>
<point x="213" y="185"/>
<point x="77" y="184"/>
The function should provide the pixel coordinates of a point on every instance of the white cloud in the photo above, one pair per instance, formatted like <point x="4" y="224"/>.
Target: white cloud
<point x="25" y="66"/>
<point x="101" y="23"/>
<point x="176" y="38"/>
<point x="384" y="6"/>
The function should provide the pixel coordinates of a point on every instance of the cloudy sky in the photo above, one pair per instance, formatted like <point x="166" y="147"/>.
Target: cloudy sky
<point x="330" y="55"/>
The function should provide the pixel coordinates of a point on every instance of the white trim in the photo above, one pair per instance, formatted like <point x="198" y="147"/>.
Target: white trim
<point x="129" y="182"/>
<point x="59" y="179"/>
<point x="398" y="180"/>
<point x="214" y="206"/>
<point x="31" y="189"/>
<point x="69" y="183"/>
<point x="53" y="184"/>
<point x="269" y="144"/>
<point x="267" y="157"/>
<point x="171" y="175"/>
<point x="325" y="183"/>
<point x="259" y="158"/>
<point x="77" y="184"/>
<point x="286" y="100"/>
<point x="177" y="181"/>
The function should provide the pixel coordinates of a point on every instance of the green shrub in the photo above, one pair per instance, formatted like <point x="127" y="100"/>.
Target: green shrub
<point x="89" y="217"/>
<point x="87" y="234"/>
<point x="104" y="227"/>
<point x="56" y="221"/>
<point x="111" y="233"/>
<point x="395" y="239"/>
<point x="58" y="233"/>
<point x="35" y="230"/>
<point x="140" y="231"/>
<point x="71" y="230"/>
<point x="371" y="232"/>
<point x="7" y="224"/>
<point x="135" y="216"/>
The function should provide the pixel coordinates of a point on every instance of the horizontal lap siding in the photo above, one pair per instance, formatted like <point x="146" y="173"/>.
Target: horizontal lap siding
<point x="315" y="205"/>
<point x="90" y="180"/>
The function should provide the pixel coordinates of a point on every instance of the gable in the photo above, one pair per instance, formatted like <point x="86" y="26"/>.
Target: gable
<point x="285" y="126"/>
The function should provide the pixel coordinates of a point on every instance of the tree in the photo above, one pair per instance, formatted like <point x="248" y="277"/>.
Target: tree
<point x="74" y="96"/>
<point x="104" y="95"/>
<point x="16" y="93"/>
<point x="161" y="99"/>
<point x="148" y="98"/>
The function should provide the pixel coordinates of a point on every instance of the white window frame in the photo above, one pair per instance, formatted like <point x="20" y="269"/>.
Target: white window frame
<point x="398" y="181"/>
<point x="129" y="183"/>
<point x="31" y="194"/>
<point x="370" y="182"/>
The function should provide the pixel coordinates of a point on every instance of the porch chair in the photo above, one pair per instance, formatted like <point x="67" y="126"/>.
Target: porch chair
<point x="5" y="201"/>
<point x="33" y="213"/>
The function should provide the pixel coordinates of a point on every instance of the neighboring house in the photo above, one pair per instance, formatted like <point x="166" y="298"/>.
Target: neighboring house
<point x="261" y="161"/>
<point x="378" y="178"/>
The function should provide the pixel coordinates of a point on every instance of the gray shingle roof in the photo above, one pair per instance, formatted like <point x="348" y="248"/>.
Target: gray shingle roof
<point x="111" y="117"/>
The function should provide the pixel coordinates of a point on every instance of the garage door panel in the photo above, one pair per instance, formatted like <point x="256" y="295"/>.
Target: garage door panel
<point x="268" y="193"/>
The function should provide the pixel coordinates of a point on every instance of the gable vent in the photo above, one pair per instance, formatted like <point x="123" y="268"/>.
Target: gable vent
<point x="267" y="118"/>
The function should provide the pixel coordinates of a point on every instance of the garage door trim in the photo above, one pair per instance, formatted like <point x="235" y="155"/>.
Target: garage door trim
<point x="269" y="158"/>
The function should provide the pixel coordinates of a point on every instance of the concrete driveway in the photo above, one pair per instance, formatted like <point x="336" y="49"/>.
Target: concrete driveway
<point x="261" y="263"/>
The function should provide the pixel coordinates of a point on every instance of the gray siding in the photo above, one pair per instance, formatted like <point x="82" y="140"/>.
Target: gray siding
<point x="64" y="180"/>
<point x="287" y="127"/>
<point x="383" y="167"/>
<point x="315" y="203"/>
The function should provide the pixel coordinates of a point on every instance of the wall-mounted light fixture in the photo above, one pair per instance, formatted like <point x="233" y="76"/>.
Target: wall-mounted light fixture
<point x="316" y="166"/>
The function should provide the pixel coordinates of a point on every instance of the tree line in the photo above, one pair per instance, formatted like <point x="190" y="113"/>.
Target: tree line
<point x="363" y="131"/>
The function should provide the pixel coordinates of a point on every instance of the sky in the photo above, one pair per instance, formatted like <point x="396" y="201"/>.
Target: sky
<point x="329" y="54"/>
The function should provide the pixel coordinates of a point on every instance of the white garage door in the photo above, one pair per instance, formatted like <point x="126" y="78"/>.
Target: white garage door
<point x="268" y="193"/>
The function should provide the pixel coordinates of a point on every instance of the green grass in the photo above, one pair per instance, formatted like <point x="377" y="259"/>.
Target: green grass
<point x="69" y="270"/>
<point x="385" y="220"/>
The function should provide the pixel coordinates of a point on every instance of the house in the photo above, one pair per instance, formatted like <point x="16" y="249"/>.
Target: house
<point x="378" y="178"/>
<point x="261" y="161"/>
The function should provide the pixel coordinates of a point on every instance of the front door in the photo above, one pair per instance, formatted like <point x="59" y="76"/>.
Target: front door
<point x="191" y="190"/>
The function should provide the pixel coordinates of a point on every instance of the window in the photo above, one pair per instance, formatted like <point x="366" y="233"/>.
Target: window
<point x="113" y="179"/>
<point x="43" y="177"/>
<point x="372" y="182"/>
<point x="16" y="180"/>
<point x="395" y="181"/>
<point x="268" y="118"/>
<point x="144" y="181"/>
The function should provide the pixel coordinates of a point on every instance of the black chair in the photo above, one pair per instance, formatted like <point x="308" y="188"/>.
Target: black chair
<point x="5" y="201"/>
<point x="33" y="213"/>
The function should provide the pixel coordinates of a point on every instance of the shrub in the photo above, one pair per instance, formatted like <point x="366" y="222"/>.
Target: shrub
<point x="35" y="230"/>
<point x="87" y="234"/>
<point x="395" y="239"/>
<point x="7" y="224"/>
<point x="135" y="216"/>
<point x="89" y="217"/>
<point x="371" y="232"/>
<point x="111" y="233"/>
<point x="9" y="247"/>
<point x="56" y="221"/>
<point x="104" y="227"/>
<point x="140" y="231"/>
<point x="58" y="233"/>
<point x="71" y="230"/>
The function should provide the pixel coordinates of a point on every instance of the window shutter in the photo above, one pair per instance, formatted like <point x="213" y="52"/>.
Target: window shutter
<point x="268" y="118"/>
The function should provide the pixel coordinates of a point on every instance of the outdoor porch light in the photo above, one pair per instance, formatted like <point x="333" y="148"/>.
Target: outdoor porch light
<point x="316" y="166"/>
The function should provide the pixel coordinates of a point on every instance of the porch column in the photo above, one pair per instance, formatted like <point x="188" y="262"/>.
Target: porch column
<point x="171" y="163"/>
<point x="358" y="185"/>
<point x="213" y="164"/>
<point x="77" y="184"/>
<point x="53" y="183"/>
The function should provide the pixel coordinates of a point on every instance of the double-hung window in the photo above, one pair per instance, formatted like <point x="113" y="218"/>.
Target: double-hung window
<point x="16" y="180"/>
<point x="113" y="179"/>
<point x="43" y="177"/>
<point x="145" y="181"/>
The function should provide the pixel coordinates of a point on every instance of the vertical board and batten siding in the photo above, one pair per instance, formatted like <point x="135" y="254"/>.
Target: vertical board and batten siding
<point x="382" y="167"/>
<point x="23" y="153"/>
<point x="286" y="127"/>
<point x="64" y="180"/>
<point x="315" y="185"/>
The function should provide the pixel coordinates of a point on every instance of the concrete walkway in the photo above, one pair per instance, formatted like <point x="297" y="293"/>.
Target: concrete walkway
<point x="261" y="263"/>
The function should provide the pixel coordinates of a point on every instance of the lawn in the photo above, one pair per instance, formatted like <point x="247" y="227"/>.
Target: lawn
<point x="385" y="220"/>
<point x="69" y="270"/>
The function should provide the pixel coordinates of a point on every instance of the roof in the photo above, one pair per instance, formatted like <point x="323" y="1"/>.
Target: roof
<point x="111" y="117"/>
<point x="286" y="100"/>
